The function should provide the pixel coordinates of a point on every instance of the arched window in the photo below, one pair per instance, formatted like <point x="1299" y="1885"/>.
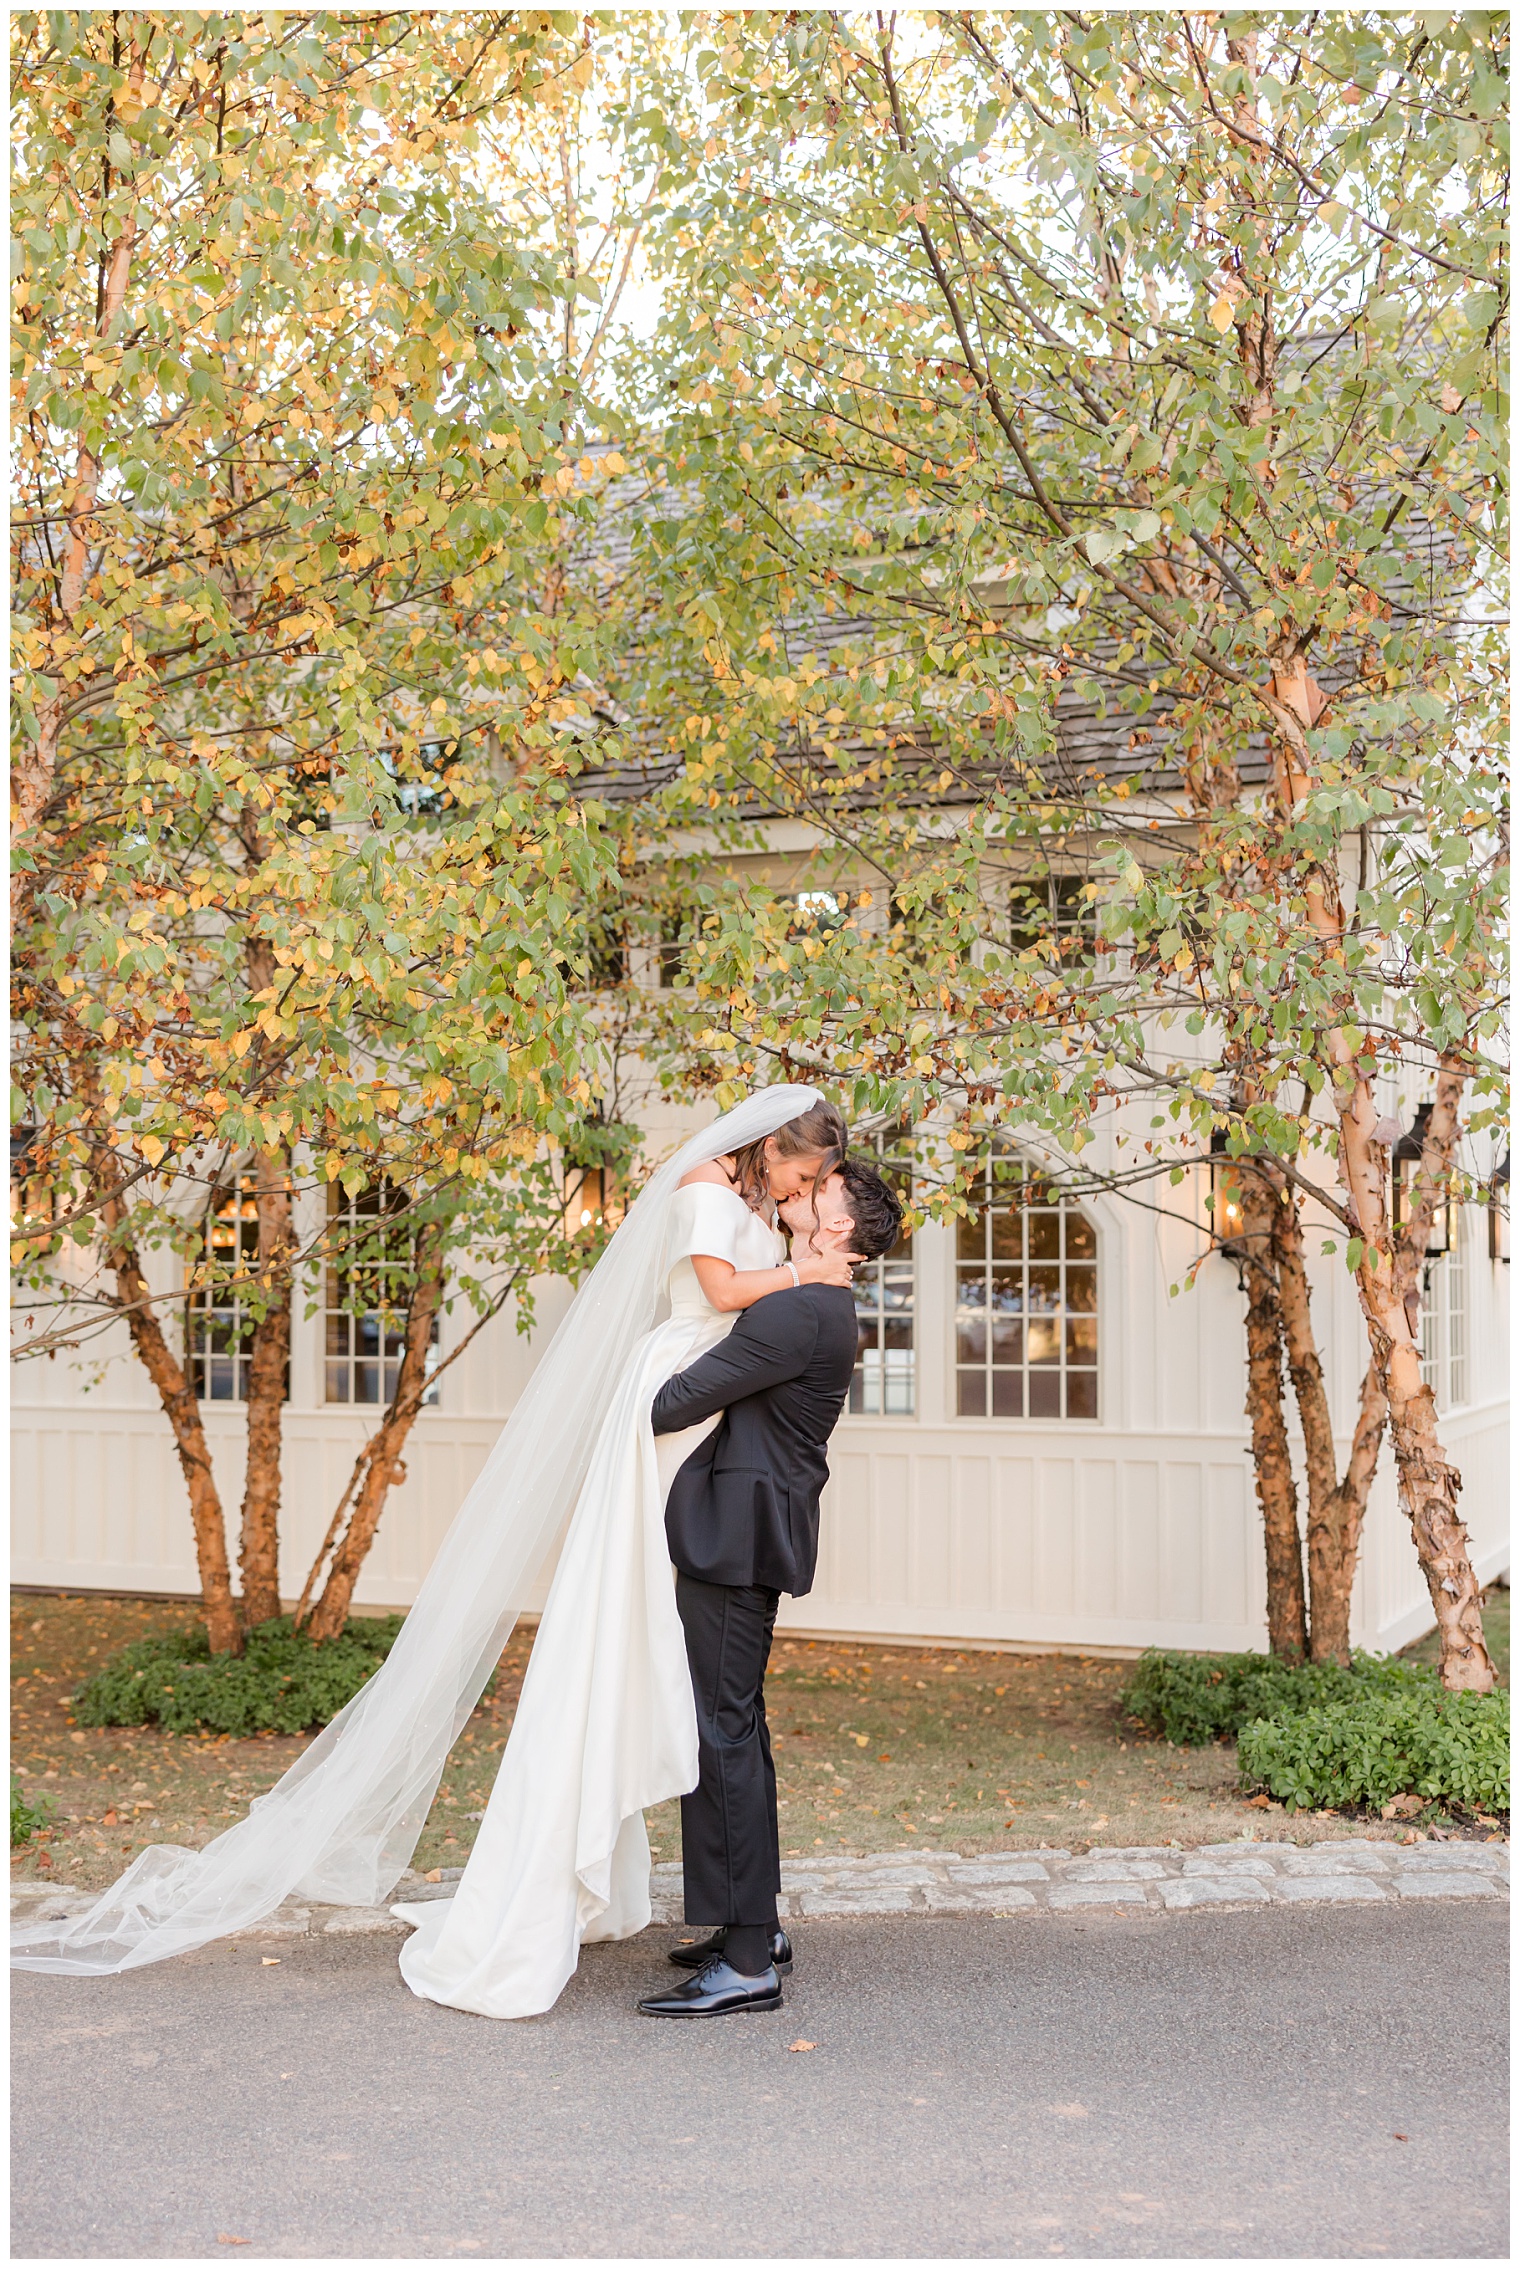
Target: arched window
<point x="1026" y="1299"/>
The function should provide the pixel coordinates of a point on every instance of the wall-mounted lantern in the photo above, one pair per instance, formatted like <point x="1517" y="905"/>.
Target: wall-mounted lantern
<point x="1407" y="1153"/>
<point x="585" y="1200"/>
<point x="1498" y="1212"/>
<point x="1229" y="1213"/>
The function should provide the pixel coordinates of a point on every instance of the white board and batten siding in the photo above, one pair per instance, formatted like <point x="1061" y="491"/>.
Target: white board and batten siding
<point x="1134" y="1529"/>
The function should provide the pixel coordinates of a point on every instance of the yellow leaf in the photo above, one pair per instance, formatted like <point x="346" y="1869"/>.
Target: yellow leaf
<point x="152" y="1149"/>
<point x="1222" y="313"/>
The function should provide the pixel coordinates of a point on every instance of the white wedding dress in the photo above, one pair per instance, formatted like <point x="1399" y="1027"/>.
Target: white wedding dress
<point x="606" y="1724"/>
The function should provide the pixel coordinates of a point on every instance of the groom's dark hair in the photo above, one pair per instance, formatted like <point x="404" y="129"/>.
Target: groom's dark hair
<point x="876" y="1213"/>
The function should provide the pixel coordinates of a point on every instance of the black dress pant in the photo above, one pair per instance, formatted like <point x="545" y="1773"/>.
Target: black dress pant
<point x="730" y="1849"/>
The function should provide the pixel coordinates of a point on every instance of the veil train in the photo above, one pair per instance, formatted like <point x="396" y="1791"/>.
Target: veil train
<point x="340" y="1826"/>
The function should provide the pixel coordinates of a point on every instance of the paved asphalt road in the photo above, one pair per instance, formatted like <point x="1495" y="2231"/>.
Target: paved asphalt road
<point x="1260" y="2084"/>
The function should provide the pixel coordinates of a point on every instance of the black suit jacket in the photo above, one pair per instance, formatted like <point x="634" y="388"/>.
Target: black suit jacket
<point x="744" y="1507"/>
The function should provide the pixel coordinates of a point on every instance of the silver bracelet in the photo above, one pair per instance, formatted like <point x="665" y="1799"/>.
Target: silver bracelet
<point x="796" y="1279"/>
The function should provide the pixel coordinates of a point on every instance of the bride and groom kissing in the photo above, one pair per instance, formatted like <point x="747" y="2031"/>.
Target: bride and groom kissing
<point x="677" y="1420"/>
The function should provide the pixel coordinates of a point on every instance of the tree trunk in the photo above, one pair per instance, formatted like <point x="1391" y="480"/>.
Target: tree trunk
<point x="1275" y="1490"/>
<point x="1331" y="1572"/>
<point x="259" y="1549"/>
<point x="175" y="1393"/>
<point x="381" y="1460"/>
<point x="183" y="1412"/>
<point x="1428" y="1482"/>
<point x="1330" y="1635"/>
<point x="1431" y="1183"/>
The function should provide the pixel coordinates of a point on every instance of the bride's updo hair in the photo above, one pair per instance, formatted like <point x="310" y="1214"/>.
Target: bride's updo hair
<point x="818" y="1133"/>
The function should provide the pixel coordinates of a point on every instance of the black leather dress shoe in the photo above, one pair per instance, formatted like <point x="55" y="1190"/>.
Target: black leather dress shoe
<point x="692" y="1957"/>
<point x="718" y="1990"/>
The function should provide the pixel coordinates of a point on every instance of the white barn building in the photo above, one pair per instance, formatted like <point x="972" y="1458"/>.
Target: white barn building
<point x="1094" y="1491"/>
<point x="1088" y="1486"/>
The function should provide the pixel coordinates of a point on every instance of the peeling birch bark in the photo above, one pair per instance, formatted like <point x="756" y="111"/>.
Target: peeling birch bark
<point x="1330" y="1575"/>
<point x="1276" y="1492"/>
<point x="381" y="1459"/>
<point x="268" y="1368"/>
<point x="1428" y="1482"/>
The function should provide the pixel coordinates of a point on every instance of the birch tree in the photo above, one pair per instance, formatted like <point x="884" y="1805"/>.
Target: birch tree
<point x="1149" y="365"/>
<point x="296" y="854"/>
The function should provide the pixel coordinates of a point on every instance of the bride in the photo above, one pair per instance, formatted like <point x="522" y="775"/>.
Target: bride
<point x="605" y="1725"/>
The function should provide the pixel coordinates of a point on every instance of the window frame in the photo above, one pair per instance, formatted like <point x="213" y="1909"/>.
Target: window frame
<point x="206" y="1305"/>
<point x="1076" y="941"/>
<point x="1446" y="1318"/>
<point x="887" y="1152"/>
<point x="343" y="1209"/>
<point x="1087" y="1255"/>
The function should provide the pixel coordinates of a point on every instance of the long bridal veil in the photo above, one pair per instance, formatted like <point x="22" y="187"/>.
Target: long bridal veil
<point x="343" y="1822"/>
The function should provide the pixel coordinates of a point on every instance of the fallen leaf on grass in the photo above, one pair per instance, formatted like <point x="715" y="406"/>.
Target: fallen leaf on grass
<point x="269" y="1961"/>
<point x="1403" y="1807"/>
<point x="1253" y="1803"/>
<point x="798" y="2046"/>
<point x="433" y="1875"/>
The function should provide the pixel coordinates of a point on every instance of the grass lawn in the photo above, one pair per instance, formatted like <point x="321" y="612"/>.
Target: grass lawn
<point x="877" y="1748"/>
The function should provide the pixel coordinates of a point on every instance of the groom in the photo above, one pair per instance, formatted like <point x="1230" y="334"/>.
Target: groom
<point x="742" y="1525"/>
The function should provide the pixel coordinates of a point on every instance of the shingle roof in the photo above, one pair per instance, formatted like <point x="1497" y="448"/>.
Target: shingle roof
<point x="1097" y="744"/>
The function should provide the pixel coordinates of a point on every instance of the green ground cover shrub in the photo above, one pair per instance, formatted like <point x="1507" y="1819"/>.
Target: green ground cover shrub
<point x="281" y="1683"/>
<point x="1193" y="1698"/>
<point x="1448" y="1748"/>
<point x="26" y="1817"/>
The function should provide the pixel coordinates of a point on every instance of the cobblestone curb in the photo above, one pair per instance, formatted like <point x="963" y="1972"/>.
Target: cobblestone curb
<point x="1005" y="1884"/>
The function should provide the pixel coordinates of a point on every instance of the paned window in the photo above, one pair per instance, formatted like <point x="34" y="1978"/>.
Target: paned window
<point x="1443" y="1319"/>
<point x="882" y="1383"/>
<point x="1026" y="1293"/>
<point x="819" y="913"/>
<point x="218" y="1326"/>
<point x="606" y="950"/>
<point x="428" y="795"/>
<point x="673" y="943"/>
<point x="34" y="1194"/>
<point x="368" y="1294"/>
<point x="603" y="946"/>
<point x="1053" y="906"/>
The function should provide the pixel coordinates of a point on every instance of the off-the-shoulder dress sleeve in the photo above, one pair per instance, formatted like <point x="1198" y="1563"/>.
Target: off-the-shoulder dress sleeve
<point x="705" y="1219"/>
